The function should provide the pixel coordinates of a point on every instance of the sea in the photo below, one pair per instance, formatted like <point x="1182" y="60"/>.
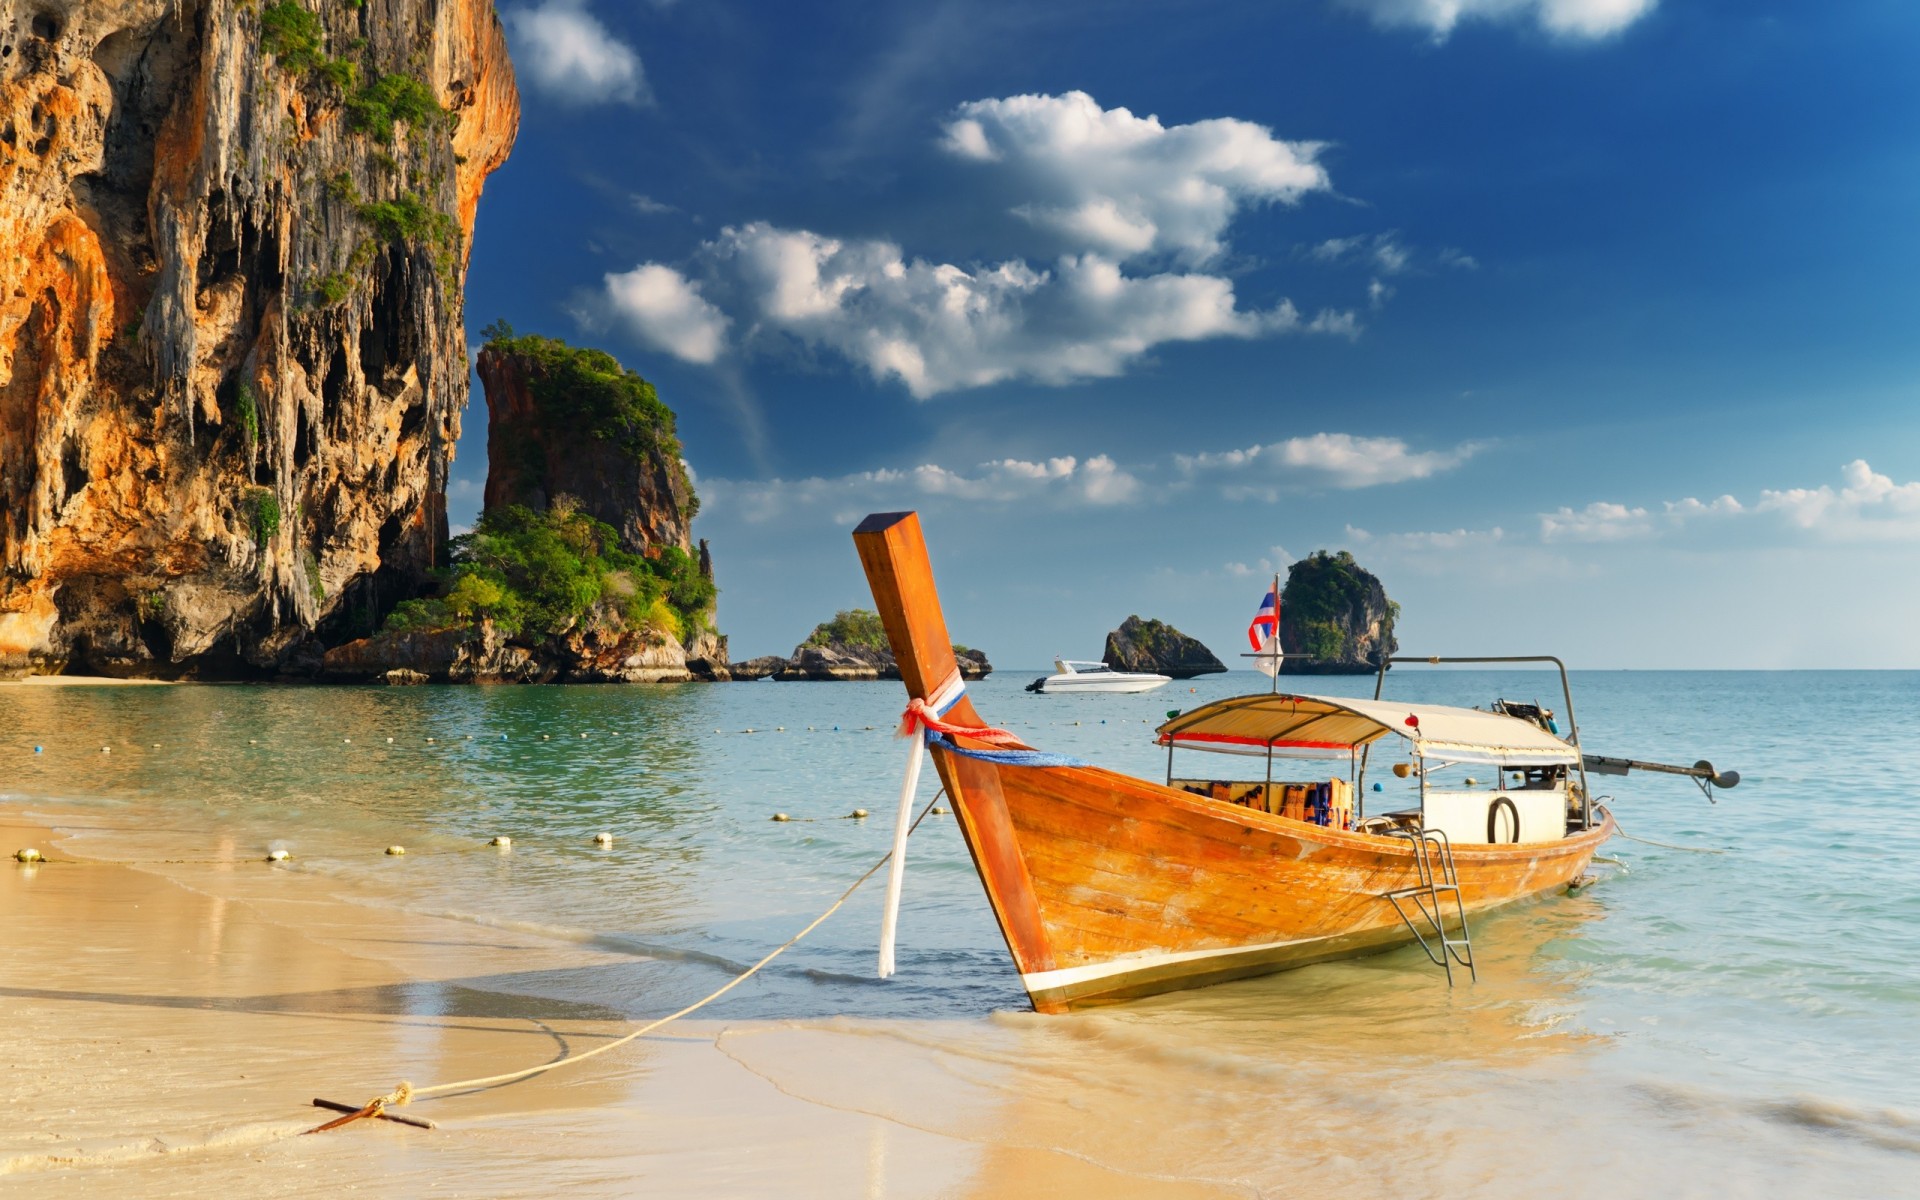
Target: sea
<point x="1734" y="1012"/>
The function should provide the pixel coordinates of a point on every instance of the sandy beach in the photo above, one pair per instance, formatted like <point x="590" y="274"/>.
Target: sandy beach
<point x="86" y="681"/>
<point x="166" y="1035"/>
<point x="174" y="1002"/>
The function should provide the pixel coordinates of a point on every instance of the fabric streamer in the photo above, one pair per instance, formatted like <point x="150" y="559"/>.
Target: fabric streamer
<point x="919" y="712"/>
<point x="924" y="718"/>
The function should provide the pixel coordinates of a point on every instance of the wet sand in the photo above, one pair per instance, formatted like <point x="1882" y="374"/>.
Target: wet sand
<point x="87" y="681"/>
<point x="165" y="1035"/>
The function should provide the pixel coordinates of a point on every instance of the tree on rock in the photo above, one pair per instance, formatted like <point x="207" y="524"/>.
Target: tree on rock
<point x="1336" y="611"/>
<point x="1156" y="647"/>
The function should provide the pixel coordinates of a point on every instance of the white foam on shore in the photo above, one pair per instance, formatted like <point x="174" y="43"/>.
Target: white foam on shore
<point x="106" y="1153"/>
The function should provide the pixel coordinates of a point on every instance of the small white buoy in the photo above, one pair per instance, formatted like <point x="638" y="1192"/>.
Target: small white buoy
<point x="782" y="817"/>
<point x="429" y="741"/>
<point x="616" y="733"/>
<point x="859" y="814"/>
<point x="277" y="856"/>
<point x="389" y="741"/>
<point x="583" y="735"/>
<point x="396" y="851"/>
<point x="546" y="737"/>
<point x="28" y="855"/>
<point x="347" y="741"/>
<point x="470" y="738"/>
<point x="253" y="741"/>
<point x="106" y="749"/>
<point x="603" y="839"/>
<point x="1471" y="781"/>
<point x="156" y="745"/>
<point x="779" y="728"/>
<point x="939" y="811"/>
<point x="503" y="842"/>
<point x="747" y="730"/>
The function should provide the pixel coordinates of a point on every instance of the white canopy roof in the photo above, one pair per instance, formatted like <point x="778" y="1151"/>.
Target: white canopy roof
<point x="1296" y="723"/>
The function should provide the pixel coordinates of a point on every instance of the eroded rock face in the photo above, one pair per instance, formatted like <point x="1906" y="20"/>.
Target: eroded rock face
<point x="841" y="661"/>
<point x="766" y="666"/>
<point x="534" y="456"/>
<point x="1158" y="648"/>
<point x="479" y="653"/>
<point x="1336" y="611"/>
<point x="229" y="397"/>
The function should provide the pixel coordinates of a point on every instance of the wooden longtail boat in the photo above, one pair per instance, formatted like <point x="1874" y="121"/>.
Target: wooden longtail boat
<point x="1109" y="887"/>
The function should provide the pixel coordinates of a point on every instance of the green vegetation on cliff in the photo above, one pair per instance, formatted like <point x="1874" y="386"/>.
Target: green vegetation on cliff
<point x="542" y="572"/>
<point x="1325" y="599"/>
<point x="588" y="391"/>
<point x="850" y="627"/>
<point x="857" y="627"/>
<point x="390" y="100"/>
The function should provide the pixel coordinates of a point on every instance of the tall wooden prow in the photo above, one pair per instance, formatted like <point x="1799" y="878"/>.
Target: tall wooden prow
<point x="894" y="554"/>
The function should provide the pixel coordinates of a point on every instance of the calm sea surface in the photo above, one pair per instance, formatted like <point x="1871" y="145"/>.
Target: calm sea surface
<point x="1712" y="1024"/>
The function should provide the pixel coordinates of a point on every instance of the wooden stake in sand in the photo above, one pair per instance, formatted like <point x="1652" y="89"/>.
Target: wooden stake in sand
<point x="354" y="1114"/>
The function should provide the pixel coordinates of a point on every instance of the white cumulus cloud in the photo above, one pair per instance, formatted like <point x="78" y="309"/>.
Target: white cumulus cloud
<point x="1382" y="252"/>
<point x="563" y="50"/>
<point x="1439" y="540"/>
<point x="1601" y="521"/>
<point x="1135" y="209"/>
<point x="1105" y="181"/>
<point x="939" y="327"/>
<point x="1571" y="19"/>
<point x="1867" y="506"/>
<point x="1066" y="480"/>
<point x="666" y="311"/>
<point x="1340" y="460"/>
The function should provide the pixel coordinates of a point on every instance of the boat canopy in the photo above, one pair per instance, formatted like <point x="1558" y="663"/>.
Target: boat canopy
<point x="1292" y="723"/>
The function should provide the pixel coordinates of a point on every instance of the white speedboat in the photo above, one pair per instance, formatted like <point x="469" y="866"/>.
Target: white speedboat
<point x="1069" y="676"/>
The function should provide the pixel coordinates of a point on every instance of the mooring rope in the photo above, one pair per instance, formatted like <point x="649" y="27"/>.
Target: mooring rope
<point x="1619" y="832"/>
<point x="406" y="1092"/>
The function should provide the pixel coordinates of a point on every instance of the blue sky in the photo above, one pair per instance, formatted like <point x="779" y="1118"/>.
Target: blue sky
<point x="1587" y="324"/>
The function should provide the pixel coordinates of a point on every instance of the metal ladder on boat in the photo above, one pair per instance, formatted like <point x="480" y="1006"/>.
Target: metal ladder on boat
<point x="1434" y="873"/>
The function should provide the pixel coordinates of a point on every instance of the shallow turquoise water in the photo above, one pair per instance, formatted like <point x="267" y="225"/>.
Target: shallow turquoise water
<point x="1781" y="978"/>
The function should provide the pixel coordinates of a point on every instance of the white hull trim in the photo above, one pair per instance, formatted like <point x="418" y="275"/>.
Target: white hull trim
<point x="1077" y="683"/>
<point x="1046" y="981"/>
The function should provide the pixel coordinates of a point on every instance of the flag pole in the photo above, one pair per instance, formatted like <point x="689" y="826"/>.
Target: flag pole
<point x="1277" y="649"/>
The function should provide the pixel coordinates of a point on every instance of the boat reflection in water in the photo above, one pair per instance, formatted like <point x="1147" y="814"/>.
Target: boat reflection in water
<point x="1339" y="1078"/>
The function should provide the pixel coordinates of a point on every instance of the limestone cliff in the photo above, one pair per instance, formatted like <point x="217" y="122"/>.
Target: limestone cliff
<point x="582" y="567"/>
<point x="232" y="358"/>
<point x="851" y="646"/>
<point x="568" y="421"/>
<point x="1338" y="612"/>
<point x="1158" y="648"/>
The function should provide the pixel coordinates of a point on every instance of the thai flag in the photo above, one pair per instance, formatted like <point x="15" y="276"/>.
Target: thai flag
<point x="1264" y="634"/>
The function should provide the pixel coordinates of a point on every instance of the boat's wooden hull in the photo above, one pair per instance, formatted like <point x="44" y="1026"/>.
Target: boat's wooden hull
<point x="1109" y="887"/>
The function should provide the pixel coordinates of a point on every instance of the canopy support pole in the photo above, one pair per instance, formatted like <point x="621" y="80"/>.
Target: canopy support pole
<point x="1566" y="691"/>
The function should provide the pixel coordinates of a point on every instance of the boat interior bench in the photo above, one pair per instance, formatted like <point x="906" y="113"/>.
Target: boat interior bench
<point x="1320" y="801"/>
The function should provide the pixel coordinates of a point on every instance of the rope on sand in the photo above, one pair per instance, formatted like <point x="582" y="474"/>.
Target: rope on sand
<point x="407" y="1093"/>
